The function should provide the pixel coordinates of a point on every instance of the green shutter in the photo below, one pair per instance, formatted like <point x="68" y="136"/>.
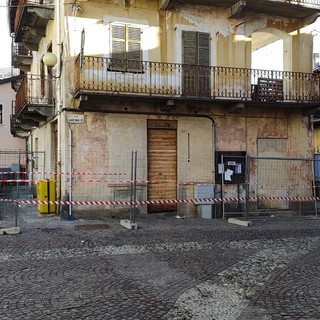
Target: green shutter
<point x="203" y="49"/>
<point x="189" y="47"/>
<point x="196" y="62"/>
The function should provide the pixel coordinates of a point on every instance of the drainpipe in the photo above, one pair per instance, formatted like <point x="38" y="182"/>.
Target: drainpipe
<point x="71" y="171"/>
<point x="59" y="86"/>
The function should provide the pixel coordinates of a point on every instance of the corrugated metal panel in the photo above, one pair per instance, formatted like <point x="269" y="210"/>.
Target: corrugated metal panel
<point x="162" y="167"/>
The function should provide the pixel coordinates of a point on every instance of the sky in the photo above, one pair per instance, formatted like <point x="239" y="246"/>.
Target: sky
<point x="5" y="39"/>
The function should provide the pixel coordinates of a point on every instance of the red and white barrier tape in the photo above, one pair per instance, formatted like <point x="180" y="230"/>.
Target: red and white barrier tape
<point x="16" y="180"/>
<point x="91" y="180"/>
<point x="66" y="173"/>
<point x="120" y="181"/>
<point x="172" y="201"/>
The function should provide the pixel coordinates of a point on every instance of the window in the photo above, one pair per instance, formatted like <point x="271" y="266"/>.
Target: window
<point x="1" y="114"/>
<point x="196" y="63"/>
<point x="231" y="167"/>
<point x="126" y="51"/>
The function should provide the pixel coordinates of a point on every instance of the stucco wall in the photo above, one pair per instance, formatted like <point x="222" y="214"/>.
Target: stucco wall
<point x="7" y="141"/>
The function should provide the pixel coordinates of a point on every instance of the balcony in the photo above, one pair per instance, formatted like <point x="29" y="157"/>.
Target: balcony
<point x="34" y="102"/>
<point x="105" y="78"/>
<point x="21" y="57"/>
<point x="299" y="9"/>
<point x="28" y="21"/>
<point x="18" y="129"/>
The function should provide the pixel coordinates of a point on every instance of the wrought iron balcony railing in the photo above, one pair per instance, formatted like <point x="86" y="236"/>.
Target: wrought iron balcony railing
<point x="99" y="75"/>
<point x="20" y="50"/>
<point x="35" y="91"/>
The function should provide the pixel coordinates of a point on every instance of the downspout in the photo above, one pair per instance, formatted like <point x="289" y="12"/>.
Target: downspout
<point x="71" y="171"/>
<point x="59" y="94"/>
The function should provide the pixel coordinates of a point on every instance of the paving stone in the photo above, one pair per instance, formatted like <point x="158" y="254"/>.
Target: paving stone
<point x="168" y="268"/>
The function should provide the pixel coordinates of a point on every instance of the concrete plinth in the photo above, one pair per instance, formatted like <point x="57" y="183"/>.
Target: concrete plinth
<point x="240" y="222"/>
<point x="129" y="225"/>
<point x="13" y="230"/>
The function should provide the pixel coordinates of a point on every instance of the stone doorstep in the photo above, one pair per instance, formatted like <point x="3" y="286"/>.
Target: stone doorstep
<point x="240" y="222"/>
<point x="12" y="230"/>
<point x="127" y="224"/>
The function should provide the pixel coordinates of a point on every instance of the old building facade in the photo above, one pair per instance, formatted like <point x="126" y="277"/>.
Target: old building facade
<point x="172" y="80"/>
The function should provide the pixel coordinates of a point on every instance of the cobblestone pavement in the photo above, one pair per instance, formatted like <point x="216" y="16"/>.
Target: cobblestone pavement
<point x="168" y="268"/>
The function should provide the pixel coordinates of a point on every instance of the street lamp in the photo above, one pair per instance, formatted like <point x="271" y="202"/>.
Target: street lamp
<point x="50" y="60"/>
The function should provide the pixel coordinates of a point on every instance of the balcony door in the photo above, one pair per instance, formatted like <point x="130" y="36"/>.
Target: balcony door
<point x="196" y="64"/>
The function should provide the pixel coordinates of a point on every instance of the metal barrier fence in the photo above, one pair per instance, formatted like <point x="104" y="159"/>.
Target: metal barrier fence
<point x="269" y="185"/>
<point x="126" y="185"/>
<point x="17" y="181"/>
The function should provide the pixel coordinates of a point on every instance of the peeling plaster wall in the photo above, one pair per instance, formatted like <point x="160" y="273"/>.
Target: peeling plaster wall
<point x="231" y="45"/>
<point x="240" y="132"/>
<point x="104" y="143"/>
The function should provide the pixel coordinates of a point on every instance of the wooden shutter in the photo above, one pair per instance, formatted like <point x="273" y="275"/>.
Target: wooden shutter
<point x="42" y="79"/>
<point x="118" y="53"/>
<point x="203" y="49"/>
<point x="134" y="49"/>
<point x="204" y="62"/>
<point x="189" y="47"/>
<point x="189" y="62"/>
<point x="126" y="48"/>
<point x="196" y="60"/>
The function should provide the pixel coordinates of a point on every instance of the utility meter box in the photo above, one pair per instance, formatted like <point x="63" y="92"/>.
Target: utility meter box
<point x="205" y="191"/>
<point x="46" y="191"/>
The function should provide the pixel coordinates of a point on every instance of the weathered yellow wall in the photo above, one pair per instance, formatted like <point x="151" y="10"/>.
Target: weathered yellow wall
<point x="113" y="135"/>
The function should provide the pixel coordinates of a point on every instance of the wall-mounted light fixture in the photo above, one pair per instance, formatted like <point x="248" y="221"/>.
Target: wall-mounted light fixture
<point x="50" y="60"/>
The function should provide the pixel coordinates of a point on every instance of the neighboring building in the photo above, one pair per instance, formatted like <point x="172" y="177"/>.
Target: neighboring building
<point x="7" y="95"/>
<point x="170" y="79"/>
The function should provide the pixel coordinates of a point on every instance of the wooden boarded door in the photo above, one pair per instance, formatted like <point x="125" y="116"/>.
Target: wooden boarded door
<point x="162" y="164"/>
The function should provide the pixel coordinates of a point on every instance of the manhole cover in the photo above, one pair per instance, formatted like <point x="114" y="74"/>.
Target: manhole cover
<point x="89" y="227"/>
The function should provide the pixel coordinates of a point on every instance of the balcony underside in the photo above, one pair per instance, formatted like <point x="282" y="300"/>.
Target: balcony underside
<point x="32" y="25"/>
<point x="22" y="62"/>
<point x="16" y="82"/>
<point x="290" y="8"/>
<point x="19" y="130"/>
<point x="142" y="103"/>
<point x="32" y="115"/>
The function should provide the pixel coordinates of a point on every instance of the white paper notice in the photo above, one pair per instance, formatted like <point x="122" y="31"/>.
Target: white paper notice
<point x="227" y="175"/>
